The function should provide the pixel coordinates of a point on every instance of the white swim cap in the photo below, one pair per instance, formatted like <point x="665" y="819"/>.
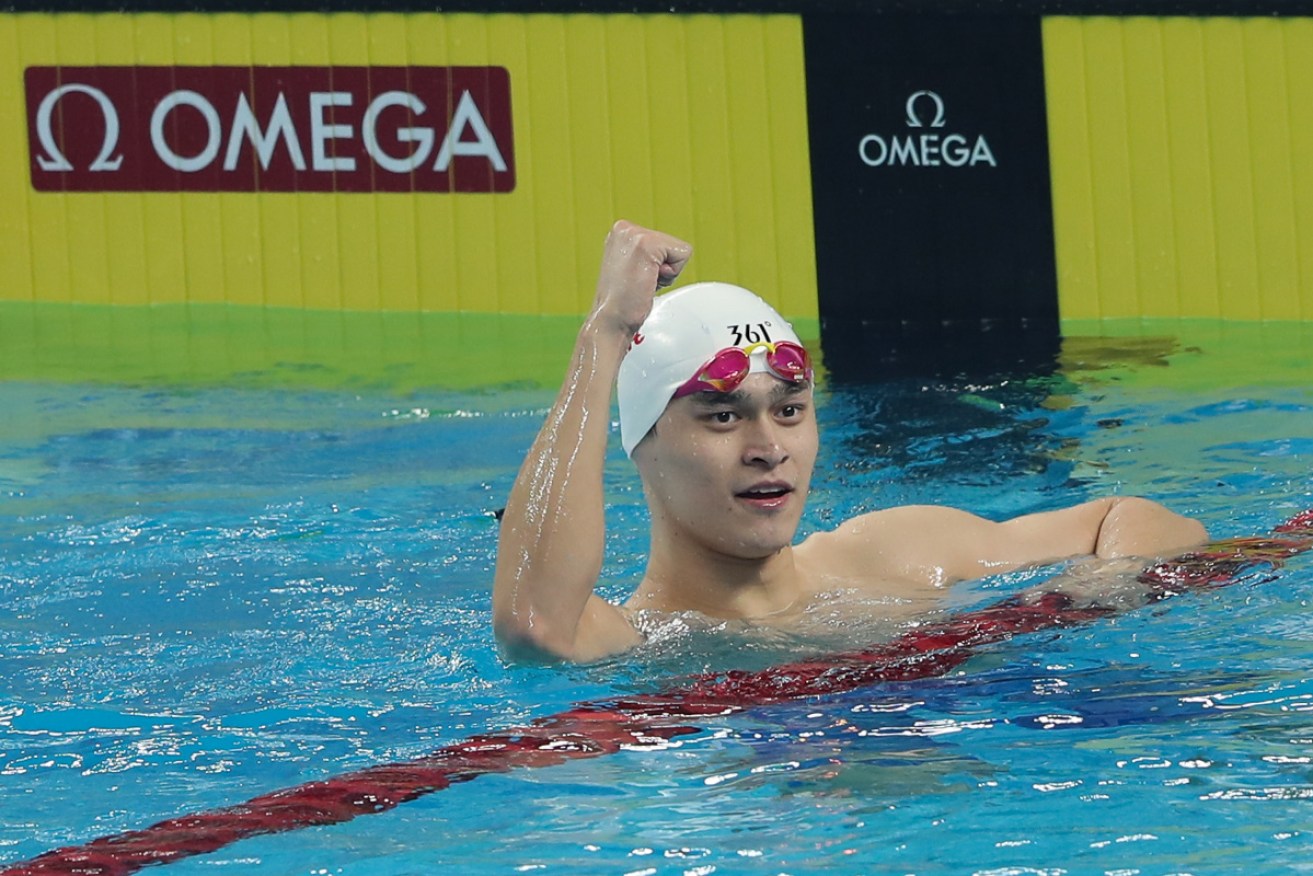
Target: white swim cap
<point x="685" y="329"/>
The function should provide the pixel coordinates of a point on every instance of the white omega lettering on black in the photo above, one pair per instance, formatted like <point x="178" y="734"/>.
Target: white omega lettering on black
<point x="926" y="149"/>
<point x="914" y="120"/>
<point x="873" y="150"/>
<point x="54" y="160"/>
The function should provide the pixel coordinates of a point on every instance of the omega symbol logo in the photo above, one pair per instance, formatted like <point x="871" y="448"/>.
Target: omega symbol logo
<point x="54" y="159"/>
<point x="937" y="102"/>
<point x="926" y="147"/>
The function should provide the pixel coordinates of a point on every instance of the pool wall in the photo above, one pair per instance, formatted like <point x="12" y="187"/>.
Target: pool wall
<point x="604" y="116"/>
<point x="856" y="163"/>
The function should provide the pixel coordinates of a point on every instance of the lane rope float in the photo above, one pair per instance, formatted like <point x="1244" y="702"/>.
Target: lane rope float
<point x="596" y="728"/>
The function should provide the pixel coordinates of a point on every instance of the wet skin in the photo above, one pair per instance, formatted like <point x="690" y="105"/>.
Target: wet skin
<point x="729" y="472"/>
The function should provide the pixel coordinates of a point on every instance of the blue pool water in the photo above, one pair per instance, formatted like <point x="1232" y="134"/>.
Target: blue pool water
<point x="210" y="592"/>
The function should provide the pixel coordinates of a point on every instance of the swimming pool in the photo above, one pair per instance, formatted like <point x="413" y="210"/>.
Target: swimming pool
<point x="221" y="587"/>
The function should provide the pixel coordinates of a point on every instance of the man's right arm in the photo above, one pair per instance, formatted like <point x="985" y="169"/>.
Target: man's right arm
<point x="550" y="551"/>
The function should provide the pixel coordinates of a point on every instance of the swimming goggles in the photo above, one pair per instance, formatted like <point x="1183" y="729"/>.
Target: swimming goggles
<point x="731" y="366"/>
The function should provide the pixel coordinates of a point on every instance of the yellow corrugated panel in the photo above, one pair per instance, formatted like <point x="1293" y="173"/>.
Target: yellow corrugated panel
<point x="1268" y="57"/>
<point x="284" y="247"/>
<point x="747" y="119"/>
<point x="711" y="149"/>
<point x="162" y="229"/>
<point x="1299" y="69"/>
<point x="205" y="248"/>
<point x="589" y="143"/>
<point x="1188" y="161"/>
<point x="357" y="216"/>
<point x="789" y="169"/>
<point x="239" y="212"/>
<point x="667" y="76"/>
<point x="86" y="221"/>
<point x="515" y="217"/>
<point x="428" y="44"/>
<point x="321" y="256"/>
<point x="395" y="242"/>
<point x="474" y="230"/>
<point x="1178" y="184"/>
<point x="1071" y="168"/>
<point x="124" y="274"/>
<point x="693" y="124"/>
<point x="47" y="225"/>
<point x="627" y="75"/>
<point x="1149" y="172"/>
<point x="1231" y="142"/>
<point x="16" y="246"/>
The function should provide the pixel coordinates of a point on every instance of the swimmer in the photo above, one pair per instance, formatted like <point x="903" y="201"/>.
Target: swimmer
<point x="716" y="412"/>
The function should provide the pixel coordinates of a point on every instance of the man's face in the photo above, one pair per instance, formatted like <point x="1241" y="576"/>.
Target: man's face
<point x="730" y="471"/>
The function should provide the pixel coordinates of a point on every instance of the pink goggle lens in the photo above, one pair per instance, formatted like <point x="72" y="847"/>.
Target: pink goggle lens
<point x="731" y="366"/>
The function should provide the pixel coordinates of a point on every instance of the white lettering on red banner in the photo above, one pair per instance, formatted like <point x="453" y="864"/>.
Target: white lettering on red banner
<point x="284" y="129"/>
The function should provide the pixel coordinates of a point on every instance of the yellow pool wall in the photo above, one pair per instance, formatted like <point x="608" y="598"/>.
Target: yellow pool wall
<point x="614" y="116"/>
<point x="1179" y="150"/>
<point x="1178" y="158"/>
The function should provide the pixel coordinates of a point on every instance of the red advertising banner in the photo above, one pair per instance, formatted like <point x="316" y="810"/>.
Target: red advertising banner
<point x="272" y="129"/>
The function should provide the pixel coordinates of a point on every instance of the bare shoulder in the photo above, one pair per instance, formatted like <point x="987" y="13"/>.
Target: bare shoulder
<point x="897" y="525"/>
<point x="916" y="544"/>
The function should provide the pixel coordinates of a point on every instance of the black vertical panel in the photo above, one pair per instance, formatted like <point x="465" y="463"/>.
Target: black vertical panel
<point x="930" y="177"/>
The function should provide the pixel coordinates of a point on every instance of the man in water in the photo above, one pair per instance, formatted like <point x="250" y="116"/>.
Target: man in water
<point x="716" y="411"/>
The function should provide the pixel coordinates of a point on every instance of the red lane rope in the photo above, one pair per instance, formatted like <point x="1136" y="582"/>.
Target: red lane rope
<point x="592" y="729"/>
